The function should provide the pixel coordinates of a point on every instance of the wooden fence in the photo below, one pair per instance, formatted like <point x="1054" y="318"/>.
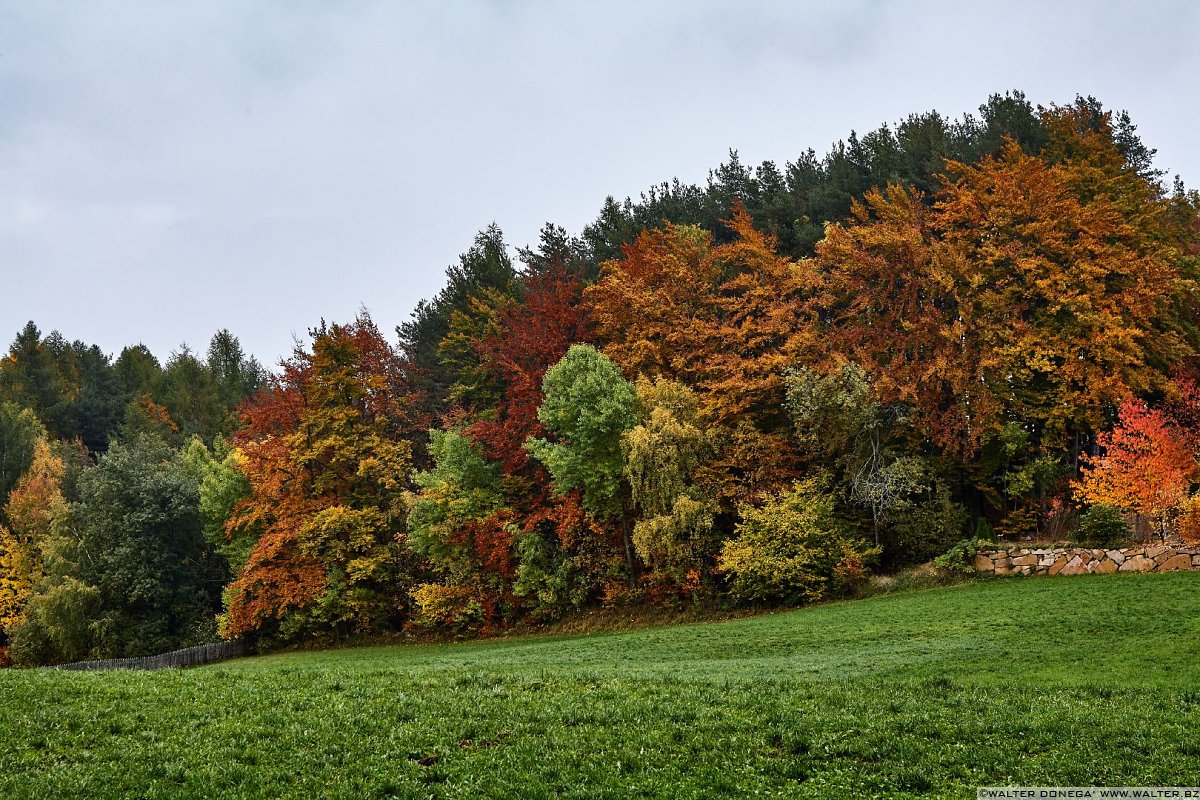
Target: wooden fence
<point x="188" y="657"/>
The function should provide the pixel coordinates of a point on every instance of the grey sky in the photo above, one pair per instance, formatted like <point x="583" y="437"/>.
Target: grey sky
<point x="167" y="169"/>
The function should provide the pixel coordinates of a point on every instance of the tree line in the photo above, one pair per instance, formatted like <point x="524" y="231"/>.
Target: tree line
<point x="757" y="390"/>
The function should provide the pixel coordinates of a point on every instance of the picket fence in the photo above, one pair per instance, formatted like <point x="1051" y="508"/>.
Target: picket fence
<point x="188" y="657"/>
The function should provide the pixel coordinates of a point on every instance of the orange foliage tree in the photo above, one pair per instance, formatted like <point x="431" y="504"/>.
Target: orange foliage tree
<point x="1019" y="295"/>
<point x="1147" y="465"/>
<point x="725" y="320"/>
<point x="33" y="506"/>
<point x="325" y="453"/>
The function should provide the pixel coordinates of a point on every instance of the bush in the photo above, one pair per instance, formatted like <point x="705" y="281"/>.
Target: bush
<point x="1103" y="526"/>
<point x="794" y="549"/>
<point x="61" y="624"/>
<point x="452" y="608"/>
<point x="960" y="558"/>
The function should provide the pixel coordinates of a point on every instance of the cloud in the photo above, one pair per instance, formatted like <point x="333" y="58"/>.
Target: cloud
<point x="168" y="169"/>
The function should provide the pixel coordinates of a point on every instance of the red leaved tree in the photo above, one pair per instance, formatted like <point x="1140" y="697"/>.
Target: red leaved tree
<point x="1147" y="465"/>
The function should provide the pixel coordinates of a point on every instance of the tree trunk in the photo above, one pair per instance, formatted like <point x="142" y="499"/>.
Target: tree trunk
<point x="628" y="540"/>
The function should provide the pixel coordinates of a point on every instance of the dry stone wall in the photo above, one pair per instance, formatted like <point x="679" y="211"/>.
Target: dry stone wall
<point x="1083" y="560"/>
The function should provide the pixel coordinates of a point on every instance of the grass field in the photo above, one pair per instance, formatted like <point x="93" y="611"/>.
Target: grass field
<point x="1072" y="681"/>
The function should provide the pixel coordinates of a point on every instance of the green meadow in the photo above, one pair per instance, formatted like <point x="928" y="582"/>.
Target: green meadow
<point x="1086" y="681"/>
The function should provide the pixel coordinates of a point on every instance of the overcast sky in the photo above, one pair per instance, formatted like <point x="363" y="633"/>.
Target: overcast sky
<point x="168" y="169"/>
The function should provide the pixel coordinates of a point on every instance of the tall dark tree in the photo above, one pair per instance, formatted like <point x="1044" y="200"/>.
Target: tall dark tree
<point x="485" y="266"/>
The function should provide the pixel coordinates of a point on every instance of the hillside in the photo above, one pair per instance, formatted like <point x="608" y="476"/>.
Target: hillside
<point x="1075" y="681"/>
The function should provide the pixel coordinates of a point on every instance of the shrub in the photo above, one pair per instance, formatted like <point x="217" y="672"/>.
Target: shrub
<point x="1103" y="526"/>
<point x="794" y="549"/>
<point x="453" y="608"/>
<point x="62" y="624"/>
<point x="960" y="558"/>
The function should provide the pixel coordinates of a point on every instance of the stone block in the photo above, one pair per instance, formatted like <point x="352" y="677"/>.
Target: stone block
<point x="1105" y="567"/>
<point x="1116" y="555"/>
<point x="1164" y="556"/>
<point x="1137" y="564"/>
<point x="1177" y="562"/>
<point x="983" y="563"/>
<point x="1058" y="565"/>
<point x="1158" y="550"/>
<point x="1076" y="566"/>
<point x="1024" y="561"/>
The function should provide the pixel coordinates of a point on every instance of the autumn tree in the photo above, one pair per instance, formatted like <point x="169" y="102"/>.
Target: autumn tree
<point x="647" y="306"/>
<point x="222" y="486"/>
<point x="723" y="319"/>
<point x="34" y="505"/>
<point x="1146" y="465"/>
<point x="458" y="520"/>
<point x="132" y="574"/>
<point x="794" y="549"/>
<point x="675" y="534"/>
<point x="529" y="337"/>
<point x="1018" y="296"/>
<point x="325" y="453"/>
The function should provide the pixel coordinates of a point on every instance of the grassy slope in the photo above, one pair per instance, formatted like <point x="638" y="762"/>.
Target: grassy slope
<point x="1074" y="681"/>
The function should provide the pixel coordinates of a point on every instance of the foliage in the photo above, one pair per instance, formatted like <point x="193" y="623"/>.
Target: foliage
<point x="937" y="317"/>
<point x="649" y="307"/>
<point x="325" y="456"/>
<point x="19" y="433"/>
<point x="725" y="320"/>
<point x="1103" y="525"/>
<point x="794" y="549"/>
<point x="34" y="506"/>
<point x="452" y="608"/>
<point x="63" y="624"/>
<point x="78" y="392"/>
<point x="458" y="521"/>
<point x="484" y="269"/>
<point x="222" y="487"/>
<point x="923" y="525"/>
<point x="1147" y="465"/>
<point x="132" y="557"/>
<point x="565" y="558"/>
<point x="528" y="339"/>
<point x="959" y="558"/>
<point x="588" y="406"/>
<point x="840" y="425"/>
<point x="678" y="543"/>
<point x="675" y="534"/>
